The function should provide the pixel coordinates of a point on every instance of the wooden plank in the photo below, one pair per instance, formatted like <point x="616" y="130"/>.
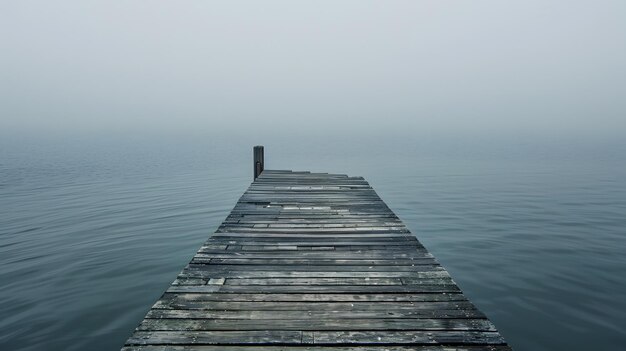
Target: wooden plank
<point x="304" y="297"/>
<point x="317" y="348"/>
<point x="407" y="337"/>
<point x="321" y="281"/>
<point x="314" y="305"/>
<point x="330" y="289"/>
<point x="326" y="323"/>
<point x="311" y="315"/>
<point x="279" y="337"/>
<point x="242" y="273"/>
<point x="313" y="262"/>
<point x="352" y="254"/>
<point x="181" y="337"/>
<point x="214" y="267"/>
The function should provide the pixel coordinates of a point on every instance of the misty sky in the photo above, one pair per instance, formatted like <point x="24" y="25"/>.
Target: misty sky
<point x="379" y="65"/>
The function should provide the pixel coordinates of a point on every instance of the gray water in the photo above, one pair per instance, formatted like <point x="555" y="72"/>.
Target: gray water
<point x="93" y="229"/>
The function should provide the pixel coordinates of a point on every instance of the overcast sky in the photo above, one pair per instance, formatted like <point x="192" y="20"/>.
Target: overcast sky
<point x="314" y="65"/>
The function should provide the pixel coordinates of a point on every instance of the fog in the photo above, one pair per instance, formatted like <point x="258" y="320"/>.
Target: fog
<point x="324" y="66"/>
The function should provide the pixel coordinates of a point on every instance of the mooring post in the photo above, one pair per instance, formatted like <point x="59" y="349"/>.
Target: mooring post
<point x="259" y="162"/>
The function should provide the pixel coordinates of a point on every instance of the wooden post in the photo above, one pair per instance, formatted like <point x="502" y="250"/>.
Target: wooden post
<point x="259" y="162"/>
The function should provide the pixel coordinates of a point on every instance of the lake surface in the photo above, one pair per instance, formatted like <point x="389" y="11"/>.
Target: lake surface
<point x="93" y="230"/>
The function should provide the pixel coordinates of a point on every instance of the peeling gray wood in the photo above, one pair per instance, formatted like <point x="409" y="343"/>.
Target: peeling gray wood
<point x="311" y="315"/>
<point x="306" y="339"/>
<point x="313" y="261"/>
<point x="318" y="306"/>
<point x="328" y="323"/>
<point x="365" y="297"/>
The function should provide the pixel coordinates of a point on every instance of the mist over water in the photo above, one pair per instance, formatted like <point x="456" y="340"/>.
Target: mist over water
<point x="358" y="65"/>
<point x="92" y="233"/>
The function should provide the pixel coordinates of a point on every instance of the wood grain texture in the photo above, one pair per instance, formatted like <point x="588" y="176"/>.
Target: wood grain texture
<point x="313" y="261"/>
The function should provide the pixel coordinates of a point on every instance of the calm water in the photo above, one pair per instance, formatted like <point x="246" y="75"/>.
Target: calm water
<point x="92" y="231"/>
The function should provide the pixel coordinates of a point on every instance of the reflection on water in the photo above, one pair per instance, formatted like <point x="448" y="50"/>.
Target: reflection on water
<point x="92" y="233"/>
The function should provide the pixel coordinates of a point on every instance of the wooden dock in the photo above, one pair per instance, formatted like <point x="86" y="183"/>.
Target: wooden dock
<point x="313" y="261"/>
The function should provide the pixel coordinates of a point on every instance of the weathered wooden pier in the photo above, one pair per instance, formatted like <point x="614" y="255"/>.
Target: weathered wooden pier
<point x="313" y="261"/>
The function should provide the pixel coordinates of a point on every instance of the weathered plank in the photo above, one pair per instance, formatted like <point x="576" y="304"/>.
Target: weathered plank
<point x="365" y="297"/>
<point x="305" y="315"/>
<point x="288" y="337"/>
<point x="314" y="305"/>
<point x="325" y="322"/>
<point x="313" y="261"/>
<point x="304" y="347"/>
